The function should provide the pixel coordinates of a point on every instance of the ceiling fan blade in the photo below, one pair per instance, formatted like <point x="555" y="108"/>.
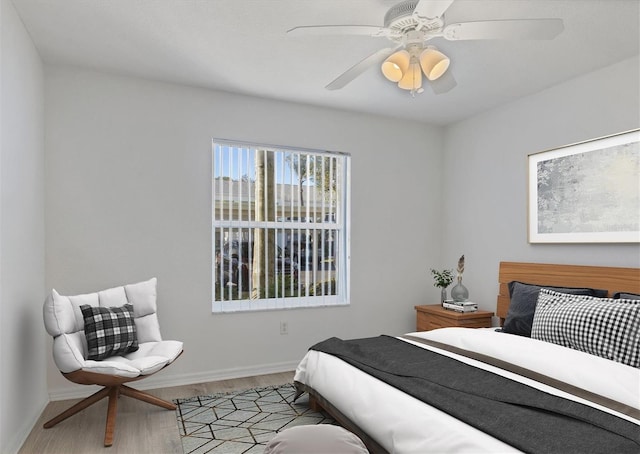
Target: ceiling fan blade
<point x="505" y="29"/>
<point x="443" y="83"/>
<point x="364" y="30"/>
<point x="360" y="67"/>
<point x="430" y="9"/>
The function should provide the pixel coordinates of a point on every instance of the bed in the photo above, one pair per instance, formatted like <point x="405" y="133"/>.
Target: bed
<point x="374" y="402"/>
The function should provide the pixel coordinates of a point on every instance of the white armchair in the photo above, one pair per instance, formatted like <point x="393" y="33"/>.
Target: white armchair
<point x="120" y="343"/>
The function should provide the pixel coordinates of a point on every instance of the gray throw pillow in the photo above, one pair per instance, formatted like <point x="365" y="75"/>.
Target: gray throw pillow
<point x="626" y="296"/>
<point x="109" y="330"/>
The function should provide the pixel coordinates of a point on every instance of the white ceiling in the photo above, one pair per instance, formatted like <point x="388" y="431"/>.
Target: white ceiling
<point x="241" y="46"/>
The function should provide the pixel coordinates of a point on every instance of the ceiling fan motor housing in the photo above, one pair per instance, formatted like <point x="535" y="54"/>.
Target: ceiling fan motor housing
<point x="400" y="17"/>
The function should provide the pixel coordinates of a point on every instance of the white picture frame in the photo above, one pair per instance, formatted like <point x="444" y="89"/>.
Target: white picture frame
<point x="588" y="192"/>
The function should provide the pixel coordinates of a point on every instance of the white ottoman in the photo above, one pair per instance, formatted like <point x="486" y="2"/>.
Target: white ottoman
<point x="315" y="439"/>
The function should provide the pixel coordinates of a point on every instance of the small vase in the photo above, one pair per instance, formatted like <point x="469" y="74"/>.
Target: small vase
<point x="443" y="295"/>
<point x="459" y="292"/>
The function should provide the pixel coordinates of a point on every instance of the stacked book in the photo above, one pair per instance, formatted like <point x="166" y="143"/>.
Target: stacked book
<point x="460" y="306"/>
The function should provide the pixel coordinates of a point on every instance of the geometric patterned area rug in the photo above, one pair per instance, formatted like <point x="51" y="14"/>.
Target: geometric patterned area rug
<point x="243" y="421"/>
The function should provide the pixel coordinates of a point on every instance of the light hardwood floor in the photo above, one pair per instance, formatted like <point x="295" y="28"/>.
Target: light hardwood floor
<point x="140" y="427"/>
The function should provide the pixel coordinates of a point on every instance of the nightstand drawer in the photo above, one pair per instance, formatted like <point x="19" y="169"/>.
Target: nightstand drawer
<point x="435" y="316"/>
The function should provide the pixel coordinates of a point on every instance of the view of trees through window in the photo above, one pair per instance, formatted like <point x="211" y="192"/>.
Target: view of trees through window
<point x="279" y="218"/>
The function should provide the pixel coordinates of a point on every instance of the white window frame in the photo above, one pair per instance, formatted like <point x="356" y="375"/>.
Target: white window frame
<point x="339" y="222"/>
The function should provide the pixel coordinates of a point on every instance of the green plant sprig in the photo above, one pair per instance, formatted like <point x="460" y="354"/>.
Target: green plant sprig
<point x="443" y="279"/>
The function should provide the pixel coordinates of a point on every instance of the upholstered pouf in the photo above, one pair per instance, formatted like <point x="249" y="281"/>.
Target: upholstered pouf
<point x="315" y="439"/>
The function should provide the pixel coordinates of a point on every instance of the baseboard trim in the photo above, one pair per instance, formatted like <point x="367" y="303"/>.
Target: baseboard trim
<point x="165" y="379"/>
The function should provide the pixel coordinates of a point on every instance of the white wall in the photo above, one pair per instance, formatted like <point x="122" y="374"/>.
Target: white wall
<point x="129" y="195"/>
<point x="486" y="163"/>
<point x="23" y="387"/>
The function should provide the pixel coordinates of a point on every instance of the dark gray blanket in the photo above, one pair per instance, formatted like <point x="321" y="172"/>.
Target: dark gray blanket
<point x="521" y="416"/>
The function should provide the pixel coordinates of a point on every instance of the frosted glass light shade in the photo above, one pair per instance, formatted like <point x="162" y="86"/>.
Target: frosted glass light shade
<point x="434" y="63"/>
<point x="396" y="65"/>
<point x="412" y="80"/>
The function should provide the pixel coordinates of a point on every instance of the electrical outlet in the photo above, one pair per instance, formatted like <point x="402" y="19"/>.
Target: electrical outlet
<point x="284" y="328"/>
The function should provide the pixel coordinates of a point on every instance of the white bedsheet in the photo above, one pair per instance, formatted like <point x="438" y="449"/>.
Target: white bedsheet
<point x="403" y="424"/>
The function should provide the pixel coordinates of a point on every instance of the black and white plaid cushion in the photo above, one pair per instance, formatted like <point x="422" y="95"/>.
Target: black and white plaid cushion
<point x="109" y="330"/>
<point x="600" y="326"/>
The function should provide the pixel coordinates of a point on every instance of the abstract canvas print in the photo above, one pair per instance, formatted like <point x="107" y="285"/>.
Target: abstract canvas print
<point x="587" y="192"/>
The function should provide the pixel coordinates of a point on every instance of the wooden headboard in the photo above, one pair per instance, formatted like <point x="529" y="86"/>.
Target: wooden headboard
<point x="612" y="279"/>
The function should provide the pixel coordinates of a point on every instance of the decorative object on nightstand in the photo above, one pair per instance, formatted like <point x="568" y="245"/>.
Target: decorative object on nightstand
<point x="459" y="292"/>
<point x="460" y="306"/>
<point x="443" y="279"/>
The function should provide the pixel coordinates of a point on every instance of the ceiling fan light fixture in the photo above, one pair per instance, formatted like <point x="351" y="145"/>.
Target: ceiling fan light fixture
<point x="434" y="63"/>
<point x="412" y="79"/>
<point x="395" y="67"/>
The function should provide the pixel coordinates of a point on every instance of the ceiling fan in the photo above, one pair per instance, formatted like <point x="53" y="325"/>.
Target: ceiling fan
<point x="410" y="25"/>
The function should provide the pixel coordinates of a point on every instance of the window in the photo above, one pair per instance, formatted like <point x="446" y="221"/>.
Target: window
<point x="280" y="221"/>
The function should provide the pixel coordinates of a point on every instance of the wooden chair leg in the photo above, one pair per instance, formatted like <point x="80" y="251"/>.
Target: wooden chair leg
<point x="113" y="393"/>
<point x="92" y="399"/>
<point x="140" y="395"/>
<point x="111" y="415"/>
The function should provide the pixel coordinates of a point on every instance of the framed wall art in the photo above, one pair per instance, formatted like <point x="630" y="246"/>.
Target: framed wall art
<point x="588" y="192"/>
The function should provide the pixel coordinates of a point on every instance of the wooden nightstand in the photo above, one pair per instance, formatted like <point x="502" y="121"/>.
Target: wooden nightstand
<point x="435" y="316"/>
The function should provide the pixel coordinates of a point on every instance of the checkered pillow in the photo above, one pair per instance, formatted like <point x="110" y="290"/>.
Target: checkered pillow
<point x="600" y="326"/>
<point x="109" y="330"/>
